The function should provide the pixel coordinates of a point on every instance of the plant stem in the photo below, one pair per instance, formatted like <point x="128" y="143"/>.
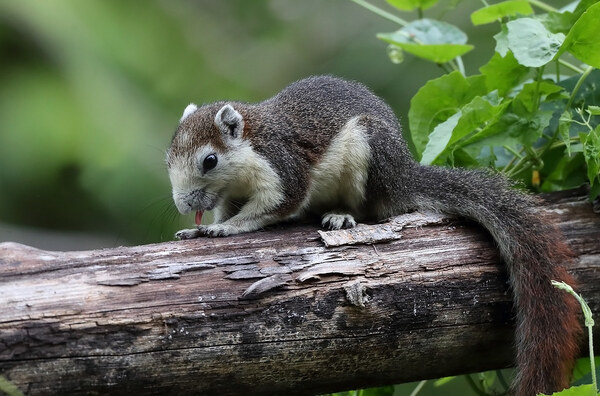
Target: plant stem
<point x="418" y="388"/>
<point x="381" y="12"/>
<point x="420" y="12"/>
<point x="502" y="380"/>
<point x="474" y="386"/>
<point x="446" y="67"/>
<point x="461" y="65"/>
<point x="515" y="170"/>
<point x="570" y="66"/>
<point x="589" y="323"/>
<point x="512" y="151"/>
<point x="542" y="5"/>
<point x="538" y="81"/>
<point x="452" y="65"/>
<point x="578" y="85"/>
<point x="569" y="103"/>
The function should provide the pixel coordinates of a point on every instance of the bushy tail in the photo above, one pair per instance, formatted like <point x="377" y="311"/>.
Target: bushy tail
<point x="548" y="326"/>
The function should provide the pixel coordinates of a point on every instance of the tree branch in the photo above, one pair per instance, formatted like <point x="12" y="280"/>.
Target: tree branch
<point x="271" y="312"/>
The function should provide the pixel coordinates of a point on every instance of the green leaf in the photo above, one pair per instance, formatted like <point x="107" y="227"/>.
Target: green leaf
<point x="409" y="5"/>
<point x="379" y="391"/>
<point x="510" y="129"/>
<point x="438" y="53"/>
<point x="447" y="136"/>
<point x="439" y="139"/>
<point x="503" y="73"/>
<point x="433" y="40"/>
<point x="442" y="381"/>
<point x="591" y="153"/>
<point x="502" y="40"/>
<point x="582" y="6"/>
<point x="437" y="101"/>
<point x="588" y="93"/>
<point x="532" y="94"/>
<point x="8" y="388"/>
<point x="564" y="124"/>
<point x="557" y="22"/>
<point x="582" y="369"/>
<point x="582" y="40"/>
<point x="581" y="390"/>
<point x="497" y="11"/>
<point x="531" y="43"/>
<point x="593" y="110"/>
<point x="563" y="172"/>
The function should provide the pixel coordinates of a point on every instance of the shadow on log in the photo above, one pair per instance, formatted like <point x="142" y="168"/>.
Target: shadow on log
<point x="275" y="311"/>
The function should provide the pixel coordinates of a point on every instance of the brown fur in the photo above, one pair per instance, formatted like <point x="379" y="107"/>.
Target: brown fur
<point x="294" y="129"/>
<point x="548" y="326"/>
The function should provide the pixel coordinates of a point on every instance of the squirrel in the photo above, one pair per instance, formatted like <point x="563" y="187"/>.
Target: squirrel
<point x="331" y="147"/>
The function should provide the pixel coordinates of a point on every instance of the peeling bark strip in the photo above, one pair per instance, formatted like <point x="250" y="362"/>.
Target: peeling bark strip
<point x="270" y="312"/>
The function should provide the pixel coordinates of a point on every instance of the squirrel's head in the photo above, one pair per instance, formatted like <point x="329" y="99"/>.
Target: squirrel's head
<point x="203" y="159"/>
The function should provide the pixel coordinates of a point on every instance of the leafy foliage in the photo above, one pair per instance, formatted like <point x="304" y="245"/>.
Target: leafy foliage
<point x="530" y="112"/>
<point x="542" y="128"/>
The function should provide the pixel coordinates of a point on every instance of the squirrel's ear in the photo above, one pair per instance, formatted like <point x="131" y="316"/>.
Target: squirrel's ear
<point x="229" y="121"/>
<point x="188" y="110"/>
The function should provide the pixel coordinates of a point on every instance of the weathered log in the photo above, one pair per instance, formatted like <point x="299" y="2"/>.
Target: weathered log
<point x="274" y="311"/>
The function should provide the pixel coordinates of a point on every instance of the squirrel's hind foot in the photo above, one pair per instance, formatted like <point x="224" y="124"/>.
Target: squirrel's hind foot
<point x="336" y="221"/>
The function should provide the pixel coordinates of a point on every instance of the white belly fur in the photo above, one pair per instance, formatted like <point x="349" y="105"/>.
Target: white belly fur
<point x="339" y="180"/>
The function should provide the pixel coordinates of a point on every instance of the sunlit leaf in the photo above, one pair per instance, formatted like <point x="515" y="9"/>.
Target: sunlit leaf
<point x="502" y="41"/>
<point x="583" y="38"/>
<point x="528" y="99"/>
<point x="443" y="381"/>
<point x="433" y="40"/>
<point x="449" y="135"/>
<point x="593" y="110"/>
<point x="409" y="5"/>
<point x="503" y="73"/>
<point x="439" y="139"/>
<point x="497" y="11"/>
<point x="531" y="43"/>
<point x="437" y="101"/>
<point x="438" y="53"/>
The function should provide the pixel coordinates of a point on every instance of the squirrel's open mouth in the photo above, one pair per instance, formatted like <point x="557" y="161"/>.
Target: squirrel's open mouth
<point x="199" y="216"/>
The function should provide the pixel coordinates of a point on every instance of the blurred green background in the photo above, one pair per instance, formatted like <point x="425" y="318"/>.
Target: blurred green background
<point x="91" y="92"/>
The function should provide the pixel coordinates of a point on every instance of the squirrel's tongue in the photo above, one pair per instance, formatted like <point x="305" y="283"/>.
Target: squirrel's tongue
<point x="199" y="217"/>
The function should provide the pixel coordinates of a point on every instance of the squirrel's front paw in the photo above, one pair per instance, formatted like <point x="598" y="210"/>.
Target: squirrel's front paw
<point x="188" y="234"/>
<point x="217" y="230"/>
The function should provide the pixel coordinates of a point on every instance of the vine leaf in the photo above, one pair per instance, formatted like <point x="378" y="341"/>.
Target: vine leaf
<point x="582" y="41"/>
<point x="436" y="41"/>
<point x="409" y="5"/>
<point x="497" y="11"/>
<point x="531" y="43"/>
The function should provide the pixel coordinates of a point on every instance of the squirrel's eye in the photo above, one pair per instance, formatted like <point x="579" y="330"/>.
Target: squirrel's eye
<point x="209" y="162"/>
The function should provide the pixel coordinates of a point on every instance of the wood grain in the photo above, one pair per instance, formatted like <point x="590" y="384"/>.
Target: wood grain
<point x="270" y="312"/>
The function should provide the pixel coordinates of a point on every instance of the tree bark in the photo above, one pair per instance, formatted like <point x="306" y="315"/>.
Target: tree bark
<point x="276" y="311"/>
